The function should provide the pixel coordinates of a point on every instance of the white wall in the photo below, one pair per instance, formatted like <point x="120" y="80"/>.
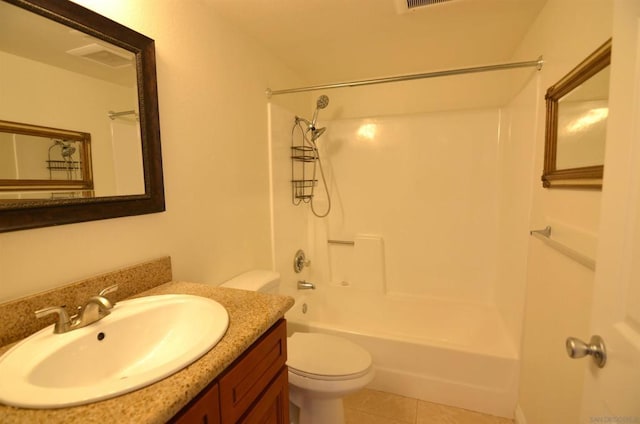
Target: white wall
<point x="425" y="184"/>
<point x="558" y="290"/>
<point x="516" y="169"/>
<point x="213" y="119"/>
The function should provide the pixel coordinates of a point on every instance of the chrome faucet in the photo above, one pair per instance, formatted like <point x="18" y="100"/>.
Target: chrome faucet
<point x="63" y="324"/>
<point x="306" y="285"/>
<point x="96" y="308"/>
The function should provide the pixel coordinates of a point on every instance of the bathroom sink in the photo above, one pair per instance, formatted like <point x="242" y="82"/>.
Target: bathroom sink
<point x="142" y="341"/>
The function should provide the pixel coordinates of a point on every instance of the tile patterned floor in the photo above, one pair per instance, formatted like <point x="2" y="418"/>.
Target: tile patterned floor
<point x="373" y="407"/>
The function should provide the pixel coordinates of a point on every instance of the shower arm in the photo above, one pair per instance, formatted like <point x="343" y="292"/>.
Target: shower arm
<point x="310" y="125"/>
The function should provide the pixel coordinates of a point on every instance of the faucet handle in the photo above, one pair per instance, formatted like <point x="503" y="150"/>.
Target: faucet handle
<point x="63" y="323"/>
<point x="108" y="290"/>
<point x="104" y="292"/>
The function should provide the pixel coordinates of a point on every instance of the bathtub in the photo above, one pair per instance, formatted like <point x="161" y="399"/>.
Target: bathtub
<point x="436" y="350"/>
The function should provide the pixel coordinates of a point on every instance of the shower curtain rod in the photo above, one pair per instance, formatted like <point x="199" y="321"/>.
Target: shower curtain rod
<point x="533" y="63"/>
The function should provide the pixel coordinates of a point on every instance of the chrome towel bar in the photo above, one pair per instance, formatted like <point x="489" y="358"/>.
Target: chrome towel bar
<point x="545" y="235"/>
<point x="546" y="231"/>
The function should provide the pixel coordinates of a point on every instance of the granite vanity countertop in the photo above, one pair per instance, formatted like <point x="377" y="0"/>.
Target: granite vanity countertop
<point x="250" y="315"/>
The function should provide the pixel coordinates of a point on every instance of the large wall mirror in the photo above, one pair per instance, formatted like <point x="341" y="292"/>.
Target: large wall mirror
<point x="92" y="82"/>
<point x="576" y="124"/>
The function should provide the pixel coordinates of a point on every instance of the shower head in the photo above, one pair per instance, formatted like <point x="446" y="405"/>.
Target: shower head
<point x="321" y="103"/>
<point x="68" y="151"/>
<point x="316" y="133"/>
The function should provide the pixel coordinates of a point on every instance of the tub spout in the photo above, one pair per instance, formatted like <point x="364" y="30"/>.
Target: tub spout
<point x="306" y="285"/>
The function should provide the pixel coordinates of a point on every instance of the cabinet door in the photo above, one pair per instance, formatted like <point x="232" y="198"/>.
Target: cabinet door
<point x="273" y="406"/>
<point x="203" y="410"/>
<point x="252" y="373"/>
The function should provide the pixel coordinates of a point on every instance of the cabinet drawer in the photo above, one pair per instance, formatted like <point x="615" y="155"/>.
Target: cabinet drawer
<point x="252" y="373"/>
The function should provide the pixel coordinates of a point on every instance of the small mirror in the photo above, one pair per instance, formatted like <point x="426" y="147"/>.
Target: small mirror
<point x="44" y="161"/>
<point x="577" y="110"/>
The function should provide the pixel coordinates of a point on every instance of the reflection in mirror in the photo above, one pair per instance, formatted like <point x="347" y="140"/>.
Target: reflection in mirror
<point x="582" y="123"/>
<point x="90" y="76"/>
<point x="72" y="68"/>
<point x="37" y="160"/>
<point x="577" y="111"/>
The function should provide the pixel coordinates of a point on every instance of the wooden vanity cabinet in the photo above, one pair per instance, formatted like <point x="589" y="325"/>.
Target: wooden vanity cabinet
<point x="273" y="405"/>
<point x="204" y="409"/>
<point x="254" y="389"/>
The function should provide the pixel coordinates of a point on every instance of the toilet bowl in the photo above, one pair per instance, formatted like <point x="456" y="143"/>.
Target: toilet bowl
<point x="322" y="368"/>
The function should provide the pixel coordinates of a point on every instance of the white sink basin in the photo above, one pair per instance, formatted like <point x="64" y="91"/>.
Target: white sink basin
<point x="142" y="341"/>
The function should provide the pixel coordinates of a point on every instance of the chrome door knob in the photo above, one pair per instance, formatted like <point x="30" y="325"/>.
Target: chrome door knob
<point x="576" y="348"/>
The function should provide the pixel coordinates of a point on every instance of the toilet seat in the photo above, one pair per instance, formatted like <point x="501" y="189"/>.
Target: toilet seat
<point x="326" y="357"/>
<point x="328" y="377"/>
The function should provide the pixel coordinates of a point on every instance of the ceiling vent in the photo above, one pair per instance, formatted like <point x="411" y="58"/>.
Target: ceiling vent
<point x="103" y="55"/>
<point x="405" y="6"/>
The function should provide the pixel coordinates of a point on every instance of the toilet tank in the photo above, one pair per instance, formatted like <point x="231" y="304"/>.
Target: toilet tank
<point x="256" y="280"/>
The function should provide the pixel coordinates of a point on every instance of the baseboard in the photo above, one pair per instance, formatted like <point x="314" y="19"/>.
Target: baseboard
<point x="520" y="419"/>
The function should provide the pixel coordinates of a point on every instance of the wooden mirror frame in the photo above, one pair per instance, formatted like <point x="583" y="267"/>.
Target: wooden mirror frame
<point x="583" y="177"/>
<point x="41" y="213"/>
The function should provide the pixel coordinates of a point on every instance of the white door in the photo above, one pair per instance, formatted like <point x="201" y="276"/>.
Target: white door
<point x="612" y="394"/>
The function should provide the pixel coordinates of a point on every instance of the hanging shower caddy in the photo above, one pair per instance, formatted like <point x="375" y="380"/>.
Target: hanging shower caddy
<point x="305" y="159"/>
<point x="63" y="165"/>
<point x="303" y="171"/>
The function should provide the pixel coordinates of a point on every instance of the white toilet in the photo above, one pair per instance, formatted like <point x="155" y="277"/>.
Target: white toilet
<point x="322" y="368"/>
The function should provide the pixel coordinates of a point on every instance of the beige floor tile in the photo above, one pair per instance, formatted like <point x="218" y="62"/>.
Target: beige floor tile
<point x="352" y="416"/>
<point x="433" y="413"/>
<point x="387" y="405"/>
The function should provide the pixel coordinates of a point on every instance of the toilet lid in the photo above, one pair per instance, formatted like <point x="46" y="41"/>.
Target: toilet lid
<point x="326" y="355"/>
